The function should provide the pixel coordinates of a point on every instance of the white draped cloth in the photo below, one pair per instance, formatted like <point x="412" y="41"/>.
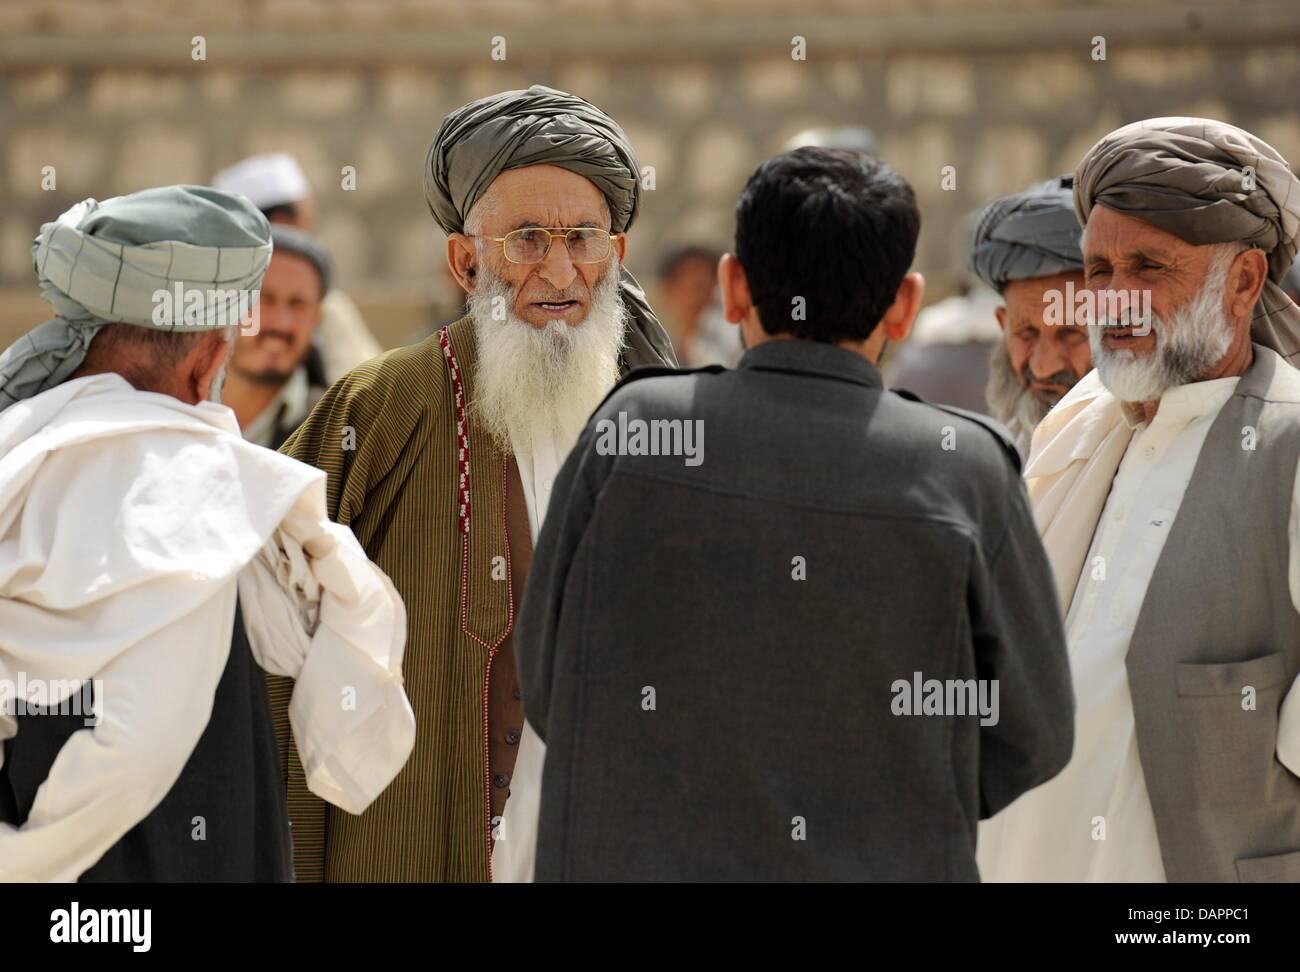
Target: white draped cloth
<point x="1096" y="464"/>
<point x="128" y="520"/>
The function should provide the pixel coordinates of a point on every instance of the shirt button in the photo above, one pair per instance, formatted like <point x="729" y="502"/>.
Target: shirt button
<point x="512" y="736"/>
<point x="501" y="780"/>
<point x="1149" y="452"/>
<point x="547" y="484"/>
<point x="518" y="694"/>
<point x="1118" y="515"/>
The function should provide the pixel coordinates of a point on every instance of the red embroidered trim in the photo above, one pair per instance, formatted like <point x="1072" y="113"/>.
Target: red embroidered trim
<point x="463" y="503"/>
<point x="462" y="434"/>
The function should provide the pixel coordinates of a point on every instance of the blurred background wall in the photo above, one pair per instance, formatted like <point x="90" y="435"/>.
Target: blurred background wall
<point x="1007" y="92"/>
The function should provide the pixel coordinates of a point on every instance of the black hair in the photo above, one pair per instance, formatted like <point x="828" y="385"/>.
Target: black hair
<point x="825" y="237"/>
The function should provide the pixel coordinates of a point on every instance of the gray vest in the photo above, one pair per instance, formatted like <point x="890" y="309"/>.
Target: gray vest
<point x="1217" y="621"/>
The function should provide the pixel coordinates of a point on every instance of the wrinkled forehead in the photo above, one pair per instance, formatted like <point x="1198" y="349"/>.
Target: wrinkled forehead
<point x="1049" y="299"/>
<point x="1027" y="301"/>
<point x="1112" y="235"/>
<point x="542" y="195"/>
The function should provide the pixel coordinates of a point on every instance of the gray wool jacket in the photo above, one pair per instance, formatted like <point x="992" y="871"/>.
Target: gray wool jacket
<point x="819" y="642"/>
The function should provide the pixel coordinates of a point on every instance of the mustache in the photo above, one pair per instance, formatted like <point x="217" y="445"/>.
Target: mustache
<point x="1063" y="377"/>
<point x="265" y="335"/>
<point x="575" y="291"/>
<point x="1139" y="323"/>
<point x="489" y="287"/>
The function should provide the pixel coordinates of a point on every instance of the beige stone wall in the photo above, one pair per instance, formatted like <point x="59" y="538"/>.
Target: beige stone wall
<point x="1006" y="91"/>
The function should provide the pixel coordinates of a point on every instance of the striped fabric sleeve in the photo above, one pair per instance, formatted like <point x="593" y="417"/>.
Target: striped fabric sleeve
<point x="355" y="434"/>
<point x="357" y="430"/>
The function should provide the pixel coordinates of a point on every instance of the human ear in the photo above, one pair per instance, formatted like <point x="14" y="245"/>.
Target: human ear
<point x="734" y="286"/>
<point x="898" y="319"/>
<point x="201" y="365"/>
<point x="462" y="259"/>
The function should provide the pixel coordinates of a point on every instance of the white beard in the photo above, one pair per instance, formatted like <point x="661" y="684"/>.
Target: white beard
<point x="219" y="379"/>
<point x="1011" y="401"/>
<point x="538" y="383"/>
<point x="1187" y="346"/>
<point x="218" y="383"/>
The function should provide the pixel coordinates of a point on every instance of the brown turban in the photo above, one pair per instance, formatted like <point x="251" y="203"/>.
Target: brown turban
<point x="1205" y="182"/>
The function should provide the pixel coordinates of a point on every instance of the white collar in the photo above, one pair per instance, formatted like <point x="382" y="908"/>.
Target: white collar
<point x="1185" y="403"/>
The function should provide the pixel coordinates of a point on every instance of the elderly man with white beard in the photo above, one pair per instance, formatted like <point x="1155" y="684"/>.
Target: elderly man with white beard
<point x="1026" y="247"/>
<point x="1148" y="480"/>
<point x="441" y="457"/>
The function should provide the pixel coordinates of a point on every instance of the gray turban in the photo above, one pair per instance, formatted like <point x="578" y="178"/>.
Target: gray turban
<point x="103" y="263"/>
<point x="1205" y="182"/>
<point x="542" y="126"/>
<point x="1031" y="234"/>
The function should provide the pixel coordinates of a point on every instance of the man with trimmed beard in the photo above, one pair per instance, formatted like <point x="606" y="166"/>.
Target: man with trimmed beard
<point x="276" y="184"/>
<point x="1178" y="452"/>
<point x="1026" y="247"/>
<point x="276" y="375"/>
<point x="441" y="458"/>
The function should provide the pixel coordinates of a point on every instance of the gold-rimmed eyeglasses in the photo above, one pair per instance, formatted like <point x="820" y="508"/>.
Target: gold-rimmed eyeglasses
<point x="586" y="244"/>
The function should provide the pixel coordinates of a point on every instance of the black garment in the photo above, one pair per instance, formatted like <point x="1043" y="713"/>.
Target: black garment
<point x="232" y="780"/>
<point x="285" y="424"/>
<point x="835" y="538"/>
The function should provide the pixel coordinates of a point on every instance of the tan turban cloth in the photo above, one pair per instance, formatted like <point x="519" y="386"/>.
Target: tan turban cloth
<point x="1205" y="182"/>
<point x="542" y="126"/>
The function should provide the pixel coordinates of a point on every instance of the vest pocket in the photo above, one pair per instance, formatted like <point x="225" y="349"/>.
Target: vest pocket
<point x="1275" y="869"/>
<point x="1227" y="719"/>
<point x="1262" y="673"/>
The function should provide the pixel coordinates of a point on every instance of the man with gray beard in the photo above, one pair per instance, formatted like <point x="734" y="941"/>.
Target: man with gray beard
<point x="1026" y="247"/>
<point x="441" y="458"/>
<point x="1180" y="449"/>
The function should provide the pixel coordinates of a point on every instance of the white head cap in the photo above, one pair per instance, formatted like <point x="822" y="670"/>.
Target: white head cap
<point x="269" y="180"/>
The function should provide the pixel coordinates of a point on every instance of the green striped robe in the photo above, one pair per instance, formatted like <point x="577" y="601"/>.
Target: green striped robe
<point x="386" y="434"/>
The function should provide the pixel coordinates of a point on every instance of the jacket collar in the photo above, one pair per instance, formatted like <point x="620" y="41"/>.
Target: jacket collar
<point x="811" y="358"/>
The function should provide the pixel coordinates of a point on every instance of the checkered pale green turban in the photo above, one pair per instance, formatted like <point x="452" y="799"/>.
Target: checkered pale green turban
<point x="103" y="263"/>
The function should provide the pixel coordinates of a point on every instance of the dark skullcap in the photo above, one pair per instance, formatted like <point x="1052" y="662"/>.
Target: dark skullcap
<point x="1030" y="234"/>
<point x="290" y="239"/>
<point x="542" y="126"/>
<point x="1205" y="182"/>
